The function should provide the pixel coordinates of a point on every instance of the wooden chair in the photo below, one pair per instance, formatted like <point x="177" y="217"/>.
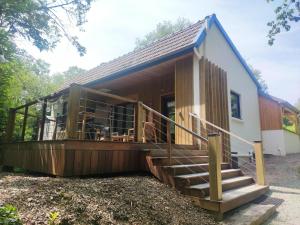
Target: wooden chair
<point x="149" y="132"/>
<point x="131" y="135"/>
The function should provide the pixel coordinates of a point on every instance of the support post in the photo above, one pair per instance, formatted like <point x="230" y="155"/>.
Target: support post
<point x="44" y="109"/>
<point x="73" y="111"/>
<point x="214" y="166"/>
<point x="140" y="119"/>
<point x="260" y="164"/>
<point x="10" y="125"/>
<point x="169" y="141"/>
<point x="24" y="123"/>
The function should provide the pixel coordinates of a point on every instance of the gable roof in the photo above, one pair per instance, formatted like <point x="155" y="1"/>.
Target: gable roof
<point x="280" y="102"/>
<point x="166" y="48"/>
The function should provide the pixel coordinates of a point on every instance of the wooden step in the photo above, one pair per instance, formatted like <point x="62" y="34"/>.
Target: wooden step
<point x="202" y="190"/>
<point x="197" y="178"/>
<point x="177" y="160"/>
<point x="191" y="168"/>
<point x="233" y="198"/>
<point x="177" y="152"/>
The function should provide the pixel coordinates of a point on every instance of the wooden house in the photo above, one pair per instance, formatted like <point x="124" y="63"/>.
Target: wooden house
<point x="280" y="126"/>
<point x="176" y="108"/>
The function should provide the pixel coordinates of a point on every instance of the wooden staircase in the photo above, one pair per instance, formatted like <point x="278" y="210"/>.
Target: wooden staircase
<point x="187" y="171"/>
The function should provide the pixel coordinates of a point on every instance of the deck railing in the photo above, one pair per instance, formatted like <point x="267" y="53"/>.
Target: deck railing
<point x="251" y="163"/>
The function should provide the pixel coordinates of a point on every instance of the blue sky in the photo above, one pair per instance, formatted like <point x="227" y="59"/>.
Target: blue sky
<point x="114" y="25"/>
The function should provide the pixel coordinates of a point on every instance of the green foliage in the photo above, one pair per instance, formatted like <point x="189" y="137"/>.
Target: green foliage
<point x="9" y="215"/>
<point x="261" y="81"/>
<point x="288" y="11"/>
<point x="162" y="29"/>
<point x="53" y="218"/>
<point x="22" y="80"/>
<point x="40" y="22"/>
<point x="72" y="72"/>
<point x="297" y="104"/>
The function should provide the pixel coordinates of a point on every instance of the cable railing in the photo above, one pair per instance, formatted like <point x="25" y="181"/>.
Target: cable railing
<point x="234" y="144"/>
<point x="175" y="151"/>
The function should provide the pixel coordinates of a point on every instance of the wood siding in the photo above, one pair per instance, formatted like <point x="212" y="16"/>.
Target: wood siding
<point x="75" y="157"/>
<point x="270" y="114"/>
<point x="216" y="99"/>
<point x="184" y="99"/>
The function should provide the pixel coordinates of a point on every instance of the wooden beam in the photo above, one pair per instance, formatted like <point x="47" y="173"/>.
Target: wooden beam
<point x="260" y="164"/>
<point x="44" y="109"/>
<point x="141" y="118"/>
<point x="214" y="168"/>
<point x="116" y="97"/>
<point x="73" y="111"/>
<point x="169" y="141"/>
<point x="24" y="123"/>
<point x="10" y="125"/>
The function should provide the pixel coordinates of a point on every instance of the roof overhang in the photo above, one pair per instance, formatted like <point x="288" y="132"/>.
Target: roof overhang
<point x="210" y="20"/>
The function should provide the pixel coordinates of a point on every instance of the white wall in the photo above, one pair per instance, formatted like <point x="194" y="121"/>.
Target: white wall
<point x="280" y="142"/>
<point x="273" y="142"/>
<point x="219" y="52"/>
<point x="292" y="142"/>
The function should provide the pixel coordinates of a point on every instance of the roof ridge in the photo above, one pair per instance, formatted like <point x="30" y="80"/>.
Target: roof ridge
<point x="152" y="43"/>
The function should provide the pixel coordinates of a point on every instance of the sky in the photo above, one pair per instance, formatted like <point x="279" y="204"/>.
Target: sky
<point x="114" y="25"/>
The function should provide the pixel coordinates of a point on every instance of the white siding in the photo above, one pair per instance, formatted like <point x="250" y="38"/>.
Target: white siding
<point x="273" y="142"/>
<point x="219" y="52"/>
<point x="292" y="142"/>
<point x="280" y="142"/>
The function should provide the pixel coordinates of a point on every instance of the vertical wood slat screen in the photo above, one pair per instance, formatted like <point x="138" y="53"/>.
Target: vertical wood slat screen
<point x="216" y="100"/>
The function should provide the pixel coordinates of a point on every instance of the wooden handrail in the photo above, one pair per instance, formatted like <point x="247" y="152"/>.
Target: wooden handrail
<point x="221" y="129"/>
<point x="171" y="121"/>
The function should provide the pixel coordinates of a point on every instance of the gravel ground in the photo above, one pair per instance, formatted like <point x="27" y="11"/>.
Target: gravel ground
<point x="283" y="174"/>
<point x="117" y="200"/>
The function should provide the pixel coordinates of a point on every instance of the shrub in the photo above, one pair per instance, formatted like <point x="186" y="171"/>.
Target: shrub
<point x="9" y="215"/>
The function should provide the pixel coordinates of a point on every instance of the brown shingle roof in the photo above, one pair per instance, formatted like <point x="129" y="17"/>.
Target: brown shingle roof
<point x="163" y="47"/>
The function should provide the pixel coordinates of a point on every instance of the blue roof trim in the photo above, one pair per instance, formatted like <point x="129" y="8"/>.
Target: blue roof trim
<point x="213" y="19"/>
<point x="201" y="38"/>
<point x="145" y="65"/>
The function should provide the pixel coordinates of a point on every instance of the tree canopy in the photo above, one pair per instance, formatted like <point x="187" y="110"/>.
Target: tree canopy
<point x="261" y="81"/>
<point x="40" y="22"/>
<point x="162" y="29"/>
<point x="286" y="13"/>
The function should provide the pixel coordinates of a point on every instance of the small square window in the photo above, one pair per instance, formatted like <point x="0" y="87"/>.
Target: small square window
<point x="235" y="105"/>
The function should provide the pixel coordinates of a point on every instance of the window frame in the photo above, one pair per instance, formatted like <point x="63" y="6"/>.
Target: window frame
<point x="239" y="117"/>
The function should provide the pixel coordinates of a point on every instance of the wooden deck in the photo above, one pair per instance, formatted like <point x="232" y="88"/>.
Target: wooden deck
<point x="75" y="157"/>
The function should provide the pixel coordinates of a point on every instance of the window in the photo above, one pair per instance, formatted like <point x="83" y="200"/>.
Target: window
<point x="235" y="105"/>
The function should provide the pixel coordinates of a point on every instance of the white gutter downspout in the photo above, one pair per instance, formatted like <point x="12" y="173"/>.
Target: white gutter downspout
<point x="196" y="77"/>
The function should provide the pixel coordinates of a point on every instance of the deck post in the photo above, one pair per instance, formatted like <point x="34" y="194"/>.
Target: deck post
<point x="10" y="125"/>
<point x="169" y="141"/>
<point x="24" y="123"/>
<point x="260" y="164"/>
<point x="44" y="109"/>
<point x="140" y="119"/>
<point x="214" y="166"/>
<point x="73" y="111"/>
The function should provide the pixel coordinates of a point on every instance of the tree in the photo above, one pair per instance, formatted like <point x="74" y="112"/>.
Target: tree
<point x="297" y="104"/>
<point x="40" y="22"/>
<point x="162" y="29"/>
<point x="286" y="13"/>
<point x="261" y="81"/>
<point x="73" y="71"/>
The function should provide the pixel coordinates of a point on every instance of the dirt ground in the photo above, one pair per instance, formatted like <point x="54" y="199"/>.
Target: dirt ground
<point x="283" y="174"/>
<point x="117" y="200"/>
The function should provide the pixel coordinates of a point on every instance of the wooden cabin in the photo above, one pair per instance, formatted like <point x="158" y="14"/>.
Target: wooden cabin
<point x="173" y="108"/>
<point x="280" y="126"/>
